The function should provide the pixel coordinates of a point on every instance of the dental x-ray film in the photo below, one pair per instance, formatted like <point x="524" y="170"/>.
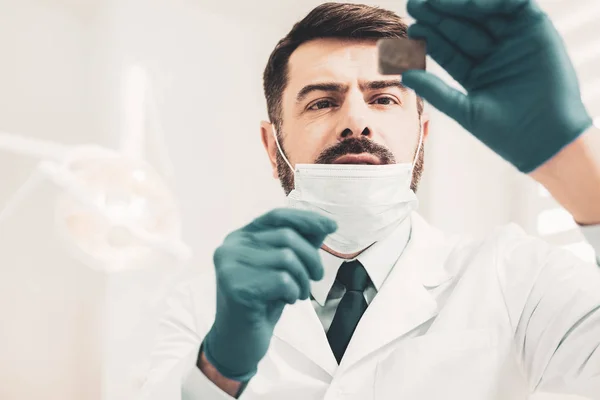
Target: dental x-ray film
<point x="397" y="55"/>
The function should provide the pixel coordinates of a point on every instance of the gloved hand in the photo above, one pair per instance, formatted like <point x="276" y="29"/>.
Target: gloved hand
<point x="523" y="99"/>
<point x="261" y="268"/>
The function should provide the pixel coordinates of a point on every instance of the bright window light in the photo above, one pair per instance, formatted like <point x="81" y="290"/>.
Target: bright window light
<point x="597" y="122"/>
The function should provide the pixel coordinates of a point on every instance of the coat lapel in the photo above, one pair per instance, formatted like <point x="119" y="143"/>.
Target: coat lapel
<point x="404" y="301"/>
<point x="300" y="327"/>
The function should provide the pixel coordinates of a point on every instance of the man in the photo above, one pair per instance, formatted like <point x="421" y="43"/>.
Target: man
<point x="348" y="293"/>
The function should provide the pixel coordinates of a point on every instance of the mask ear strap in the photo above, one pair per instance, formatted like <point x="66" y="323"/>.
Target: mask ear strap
<point x="418" y="150"/>
<point x="281" y="151"/>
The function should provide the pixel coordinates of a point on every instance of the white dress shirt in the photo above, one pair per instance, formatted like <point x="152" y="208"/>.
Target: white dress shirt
<point x="378" y="260"/>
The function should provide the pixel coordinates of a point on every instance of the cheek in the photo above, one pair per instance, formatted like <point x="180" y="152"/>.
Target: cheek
<point x="305" y="147"/>
<point x="403" y="138"/>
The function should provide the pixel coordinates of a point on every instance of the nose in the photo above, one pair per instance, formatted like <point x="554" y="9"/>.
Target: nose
<point x="354" y="123"/>
<point x="348" y="133"/>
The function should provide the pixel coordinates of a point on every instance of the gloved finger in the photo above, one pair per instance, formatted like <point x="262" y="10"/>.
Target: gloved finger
<point x="242" y="271"/>
<point x="443" y="97"/>
<point x="287" y="260"/>
<point x="471" y="39"/>
<point x="261" y="262"/>
<point x="287" y="238"/>
<point x="278" y="285"/>
<point x="314" y="227"/>
<point x="281" y="259"/>
<point x="452" y="59"/>
<point x="477" y="9"/>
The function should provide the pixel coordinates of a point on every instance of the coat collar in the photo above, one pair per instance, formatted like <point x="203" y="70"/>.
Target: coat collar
<point x="378" y="260"/>
<point x="403" y="303"/>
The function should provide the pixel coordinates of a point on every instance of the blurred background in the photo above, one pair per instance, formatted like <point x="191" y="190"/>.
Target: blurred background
<point x="75" y="71"/>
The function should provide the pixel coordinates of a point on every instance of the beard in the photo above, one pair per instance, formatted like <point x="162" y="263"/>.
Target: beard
<point x="349" y="146"/>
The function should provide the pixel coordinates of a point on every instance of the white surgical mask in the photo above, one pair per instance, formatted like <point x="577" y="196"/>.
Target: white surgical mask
<point x="368" y="202"/>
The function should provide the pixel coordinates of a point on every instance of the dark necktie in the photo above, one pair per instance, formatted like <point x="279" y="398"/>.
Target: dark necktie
<point x="350" y="309"/>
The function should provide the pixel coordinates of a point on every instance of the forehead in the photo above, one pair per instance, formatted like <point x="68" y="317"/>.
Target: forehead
<point x="339" y="60"/>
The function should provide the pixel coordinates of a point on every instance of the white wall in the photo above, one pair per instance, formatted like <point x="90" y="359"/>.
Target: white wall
<point x="43" y="94"/>
<point x="43" y="81"/>
<point x="208" y="85"/>
<point x="63" y="76"/>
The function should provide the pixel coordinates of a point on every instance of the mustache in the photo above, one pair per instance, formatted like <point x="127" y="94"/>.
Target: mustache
<point x="355" y="146"/>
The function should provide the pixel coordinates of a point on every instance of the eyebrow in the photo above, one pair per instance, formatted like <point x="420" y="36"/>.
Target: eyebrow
<point x="341" y="88"/>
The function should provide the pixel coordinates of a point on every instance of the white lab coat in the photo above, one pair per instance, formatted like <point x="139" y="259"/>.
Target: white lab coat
<point x="456" y="319"/>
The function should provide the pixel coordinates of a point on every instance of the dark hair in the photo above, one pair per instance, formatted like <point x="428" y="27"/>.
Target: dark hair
<point x="329" y="20"/>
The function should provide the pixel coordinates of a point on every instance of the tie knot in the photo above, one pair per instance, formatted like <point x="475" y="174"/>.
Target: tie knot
<point x="353" y="276"/>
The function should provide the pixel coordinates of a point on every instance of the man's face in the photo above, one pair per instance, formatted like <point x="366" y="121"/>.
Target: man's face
<point x="337" y="108"/>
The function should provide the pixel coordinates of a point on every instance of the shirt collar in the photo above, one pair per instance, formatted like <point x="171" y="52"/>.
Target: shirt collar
<point x="378" y="260"/>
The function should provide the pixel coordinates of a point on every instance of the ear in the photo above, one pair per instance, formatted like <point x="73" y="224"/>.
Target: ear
<point x="267" y="135"/>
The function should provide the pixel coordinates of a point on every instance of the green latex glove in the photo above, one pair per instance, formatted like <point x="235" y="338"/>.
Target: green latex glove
<point x="523" y="99"/>
<point x="261" y="268"/>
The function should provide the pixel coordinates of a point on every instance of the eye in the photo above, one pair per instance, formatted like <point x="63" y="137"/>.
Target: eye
<point x="321" y="104"/>
<point x="386" y="100"/>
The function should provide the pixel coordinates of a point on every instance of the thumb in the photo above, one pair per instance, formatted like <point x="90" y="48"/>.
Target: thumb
<point x="437" y="93"/>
